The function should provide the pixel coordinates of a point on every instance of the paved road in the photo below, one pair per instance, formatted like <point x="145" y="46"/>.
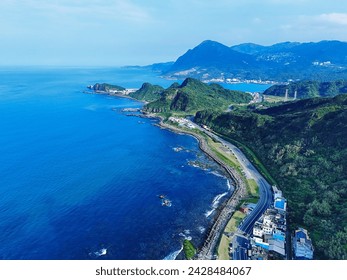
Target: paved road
<point x="265" y="199"/>
<point x="265" y="193"/>
<point x="265" y="190"/>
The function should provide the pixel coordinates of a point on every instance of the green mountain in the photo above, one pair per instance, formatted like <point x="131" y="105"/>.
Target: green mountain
<point x="147" y="92"/>
<point x="193" y="95"/>
<point x="307" y="89"/>
<point x="304" y="146"/>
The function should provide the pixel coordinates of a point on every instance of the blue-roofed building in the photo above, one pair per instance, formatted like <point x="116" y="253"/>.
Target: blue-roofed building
<point x="259" y="242"/>
<point x="279" y="235"/>
<point x="277" y="246"/>
<point x="280" y="203"/>
<point x="302" y="245"/>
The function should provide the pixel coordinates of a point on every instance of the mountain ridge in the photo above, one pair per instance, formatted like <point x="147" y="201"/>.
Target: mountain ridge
<point x="281" y="62"/>
<point x="193" y="95"/>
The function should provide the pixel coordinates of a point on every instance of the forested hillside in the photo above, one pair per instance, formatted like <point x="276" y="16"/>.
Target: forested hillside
<point x="307" y="89"/>
<point x="193" y="95"/>
<point x="304" y="146"/>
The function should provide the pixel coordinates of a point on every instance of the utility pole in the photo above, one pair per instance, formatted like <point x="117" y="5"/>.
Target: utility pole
<point x="295" y="94"/>
<point x="286" y="96"/>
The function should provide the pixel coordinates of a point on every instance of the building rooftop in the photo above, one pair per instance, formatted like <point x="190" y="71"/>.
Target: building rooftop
<point x="302" y="245"/>
<point x="280" y="203"/>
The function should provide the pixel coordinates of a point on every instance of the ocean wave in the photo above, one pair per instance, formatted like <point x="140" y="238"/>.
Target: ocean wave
<point x="185" y="234"/>
<point x="215" y="173"/>
<point x="201" y="229"/>
<point x="173" y="255"/>
<point x="215" y="204"/>
<point x="209" y="213"/>
<point x="217" y="199"/>
<point x="228" y="185"/>
<point x="99" y="253"/>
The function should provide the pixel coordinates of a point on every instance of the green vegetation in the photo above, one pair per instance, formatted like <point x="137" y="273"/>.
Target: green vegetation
<point x="223" y="248"/>
<point x="147" y="92"/>
<point x="307" y="89"/>
<point x="224" y="154"/>
<point x="304" y="146"/>
<point x="188" y="249"/>
<point x="235" y="221"/>
<point x="253" y="188"/>
<point x="193" y="95"/>
<point x="274" y="98"/>
<point x="253" y="158"/>
<point x="107" y="87"/>
<point x="231" y="227"/>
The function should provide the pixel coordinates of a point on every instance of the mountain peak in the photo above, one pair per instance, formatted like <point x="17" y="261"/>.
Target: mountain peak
<point x="210" y="43"/>
<point x="211" y="54"/>
<point x="190" y="82"/>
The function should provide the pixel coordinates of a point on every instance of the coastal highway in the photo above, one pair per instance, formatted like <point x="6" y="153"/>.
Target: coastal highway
<point x="265" y="196"/>
<point x="265" y="201"/>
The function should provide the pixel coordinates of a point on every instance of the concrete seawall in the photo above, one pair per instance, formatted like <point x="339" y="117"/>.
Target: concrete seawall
<point x="207" y="251"/>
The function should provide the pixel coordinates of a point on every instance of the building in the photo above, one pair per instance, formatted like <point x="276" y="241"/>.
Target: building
<point x="302" y="245"/>
<point x="277" y="192"/>
<point x="280" y="203"/>
<point x="269" y="232"/>
<point x="258" y="230"/>
<point x="247" y="208"/>
<point x="279" y="235"/>
<point x="261" y="243"/>
<point x="277" y="246"/>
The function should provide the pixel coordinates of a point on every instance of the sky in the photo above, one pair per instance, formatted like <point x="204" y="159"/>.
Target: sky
<point x="134" y="32"/>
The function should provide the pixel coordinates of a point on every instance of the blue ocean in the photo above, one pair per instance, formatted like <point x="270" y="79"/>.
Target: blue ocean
<point x="80" y="180"/>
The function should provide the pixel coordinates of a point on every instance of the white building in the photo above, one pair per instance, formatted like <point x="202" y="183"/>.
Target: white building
<point x="258" y="230"/>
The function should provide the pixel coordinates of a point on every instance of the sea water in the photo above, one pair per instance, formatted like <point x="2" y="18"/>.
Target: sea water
<point x="80" y="180"/>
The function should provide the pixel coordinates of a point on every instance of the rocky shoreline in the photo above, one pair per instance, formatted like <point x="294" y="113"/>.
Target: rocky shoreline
<point x="206" y="252"/>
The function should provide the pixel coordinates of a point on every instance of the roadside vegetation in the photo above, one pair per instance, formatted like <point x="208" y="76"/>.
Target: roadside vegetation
<point x="223" y="250"/>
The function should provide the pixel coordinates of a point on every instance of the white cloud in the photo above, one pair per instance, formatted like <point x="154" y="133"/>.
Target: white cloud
<point x="334" y="18"/>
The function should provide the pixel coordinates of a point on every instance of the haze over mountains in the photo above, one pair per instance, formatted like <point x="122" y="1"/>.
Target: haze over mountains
<point x="210" y="60"/>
